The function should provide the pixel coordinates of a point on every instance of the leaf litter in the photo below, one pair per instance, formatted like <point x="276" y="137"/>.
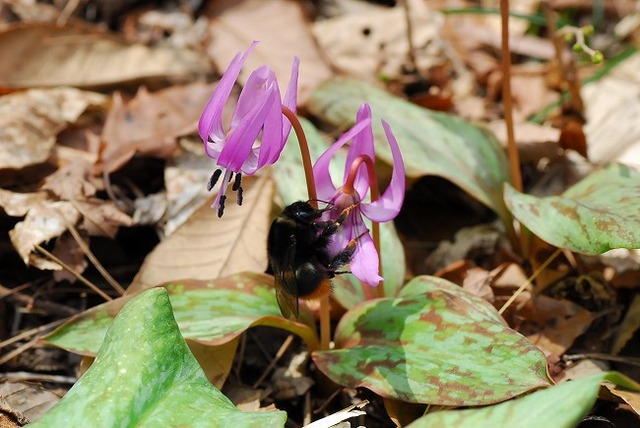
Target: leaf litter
<point x="121" y="166"/>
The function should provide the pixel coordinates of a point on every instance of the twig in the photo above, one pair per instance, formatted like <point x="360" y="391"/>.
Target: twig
<point x="73" y="272"/>
<point x="38" y="377"/>
<point x="533" y="276"/>
<point x="605" y="357"/>
<point x="87" y="251"/>
<point x="31" y="332"/>
<point x="283" y="348"/>
<point x="14" y="296"/>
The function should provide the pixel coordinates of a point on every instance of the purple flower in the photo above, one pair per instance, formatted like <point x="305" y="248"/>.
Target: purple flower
<point x="258" y="114"/>
<point x="364" y="263"/>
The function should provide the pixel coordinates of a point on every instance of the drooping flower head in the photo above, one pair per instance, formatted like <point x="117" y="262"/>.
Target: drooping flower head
<point x="353" y="191"/>
<point x="258" y="115"/>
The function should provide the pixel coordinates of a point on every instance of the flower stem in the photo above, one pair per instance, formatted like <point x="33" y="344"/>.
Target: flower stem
<point x="375" y="226"/>
<point x="325" y="308"/>
<point x="306" y="155"/>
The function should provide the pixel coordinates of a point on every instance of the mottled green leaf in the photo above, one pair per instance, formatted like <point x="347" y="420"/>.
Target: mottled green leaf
<point x="209" y="312"/>
<point x="599" y="213"/>
<point x="433" y="347"/>
<point x="432" y="143"/>
<point x="557" y="407"/>
<point x="145" y="376"/>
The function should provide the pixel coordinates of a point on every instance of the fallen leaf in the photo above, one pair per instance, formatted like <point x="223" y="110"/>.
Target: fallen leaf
<point x="552" y="324"/>
<point x="612" y="109"/>
<point x="150" y="123"/>
<point x="373" y="44"/>
<point x="285" y="34"/>
<point x="208" y="247"/>
<point x="630" y="325"/>
<point x="82" y="56"/>
<point x="30" y="121"/>
<point x="71" y="181"/>
<point x="31" y="400"/>
<point x="68" y="250"/>
<point x="44" y="220"/>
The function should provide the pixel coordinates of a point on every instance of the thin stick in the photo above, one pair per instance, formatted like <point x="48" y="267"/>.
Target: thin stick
<point x="19" y="350"/>
<point x="73" y="272"/>
<point x="606" y="357"/>
<point x="411" y="53"/>
<point x="31" y="332"/>
<point x="283" y="348"/>
<point x="525" y="284"/>
<point x="87" y="251"/>
<point x="325" y="308"/>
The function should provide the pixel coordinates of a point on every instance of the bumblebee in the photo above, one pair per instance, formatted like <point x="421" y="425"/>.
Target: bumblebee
<point x="299" y="259"/>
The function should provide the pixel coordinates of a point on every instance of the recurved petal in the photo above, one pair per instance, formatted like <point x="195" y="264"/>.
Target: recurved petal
<point x="324" y="186"/>
<point x="388" y="205"/>
<point x="211" y="119"/>
<point x="291" y="96"/>
<point x="362" y="144"/>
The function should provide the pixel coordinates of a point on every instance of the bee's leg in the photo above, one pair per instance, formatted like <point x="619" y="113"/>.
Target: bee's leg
<point x="331" y="227"/>
<point x="344" y="256"/>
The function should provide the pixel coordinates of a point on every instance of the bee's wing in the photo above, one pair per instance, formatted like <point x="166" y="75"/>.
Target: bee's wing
<point x="286" y="285"/>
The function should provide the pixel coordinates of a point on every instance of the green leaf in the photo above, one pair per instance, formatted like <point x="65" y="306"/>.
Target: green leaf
<point x="208" y="312"/>
<point x="432" y="143"/>
<point x="438" y="347"/>
<point x="145" y="376"/>
<point x="555" y="407"/>
<point x="599" y="213"/>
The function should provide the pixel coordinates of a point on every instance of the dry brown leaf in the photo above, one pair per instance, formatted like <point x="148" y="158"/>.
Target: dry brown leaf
<point x="185" y="176"/>
<point x="71" y="181"/>
<point x="629" y="326"/>
<point x="534" y="141"/>
<point x="553" y="325"/>
<point x="283" y="35"/>
<point x="207" y="247"/>
<point x="101" y="218"/>
<point x="41" y="54"/>
<point x="150" y="123"/>
<point x="44" y="220"/>
<point x="31" y="400"/>
<point x="68" y="250"/>
<point x="30" y="121"/>
<point x="612" y="110"/>
<point x="375" y="43"/>
<point x="629" y="397"/>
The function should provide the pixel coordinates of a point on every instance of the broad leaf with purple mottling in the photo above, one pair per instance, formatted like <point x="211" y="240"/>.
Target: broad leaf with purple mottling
<point x="600" y="213"/>
<point x="145" y="376"/>
<point x="209" y="312"/>
<point x="435" y="344"/>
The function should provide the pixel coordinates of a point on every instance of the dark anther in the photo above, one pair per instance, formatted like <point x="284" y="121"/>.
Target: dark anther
<point x="239" y="195"/>
<point x="214" y="179"/>
<point x="237" y="182"/>
<point x="230" y="177"/>
<point x="221" y="207"/>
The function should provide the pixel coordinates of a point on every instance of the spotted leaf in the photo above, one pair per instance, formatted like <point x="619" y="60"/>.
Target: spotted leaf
<point x="435" y="344"/>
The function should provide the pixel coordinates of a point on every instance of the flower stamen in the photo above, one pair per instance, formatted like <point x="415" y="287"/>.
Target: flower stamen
<point x="214" y="179"/>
